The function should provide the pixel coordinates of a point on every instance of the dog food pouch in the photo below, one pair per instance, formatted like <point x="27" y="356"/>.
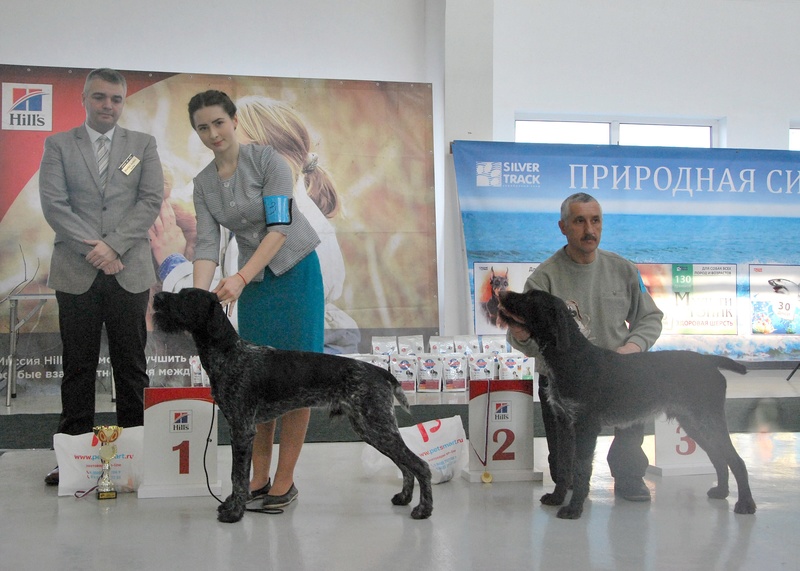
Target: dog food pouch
<point x="196" y="371"/>
<point x="441" y="344"/>
<point x="455" y="372"/>
<point x="494" y="344"/>
<point x="483" y="366"/>
<point x="514" y="366"/>
<point x="410" y="344"/>
<point x="384" y="345"/>
<point x="404" y="369"/>
<point x="381" y="361"/>
<point x="430" y="370"/>
<point x="467" y="344"/>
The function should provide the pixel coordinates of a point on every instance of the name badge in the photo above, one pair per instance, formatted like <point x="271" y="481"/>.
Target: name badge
<point x="129" y="164"/>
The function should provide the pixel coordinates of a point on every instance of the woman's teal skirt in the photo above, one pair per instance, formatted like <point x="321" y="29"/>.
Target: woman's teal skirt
<point x="286" y="311"/>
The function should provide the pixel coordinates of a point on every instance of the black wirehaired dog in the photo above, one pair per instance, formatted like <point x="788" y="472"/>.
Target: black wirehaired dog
<point x="254" y="384"/>
<point x="591" y="387"/>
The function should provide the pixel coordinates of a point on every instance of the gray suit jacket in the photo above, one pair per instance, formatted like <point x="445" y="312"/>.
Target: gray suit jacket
<point x="78" y="209"/>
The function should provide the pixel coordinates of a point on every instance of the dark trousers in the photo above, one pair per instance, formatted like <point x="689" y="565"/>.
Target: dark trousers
<point x="81" y="319"/>
<point x="626" y="459"/>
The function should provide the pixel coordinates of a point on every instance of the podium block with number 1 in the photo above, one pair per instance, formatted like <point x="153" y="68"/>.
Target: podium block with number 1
<point x="177" y="422"/>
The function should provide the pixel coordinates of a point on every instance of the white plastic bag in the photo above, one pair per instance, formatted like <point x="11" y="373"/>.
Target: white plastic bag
<point x="441" y="443"/>
<point x="79" y="463"/>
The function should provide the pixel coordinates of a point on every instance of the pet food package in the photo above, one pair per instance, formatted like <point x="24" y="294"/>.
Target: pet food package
<point x="198" y="375"/>
<point x="430" y="370"/>
<point x="438" y="344"/>
<point x="404" y="369"/>
<point x="494" y="344"/>
<point x="381" y="361"/>
<point x="410" y="344"/>
<point x="515" y="366"/>
<point x="384" y="345"/>
<point x="467" y="344"/>
<point x="455" y="372"/>
<point x="483" y="366"/>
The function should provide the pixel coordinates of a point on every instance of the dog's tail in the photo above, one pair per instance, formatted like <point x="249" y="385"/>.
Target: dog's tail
<point x="728" y="364"/>
<point x="397" y="390"/>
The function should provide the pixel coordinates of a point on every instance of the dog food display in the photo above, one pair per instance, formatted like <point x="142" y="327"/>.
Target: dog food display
<point x="404" y="369"/>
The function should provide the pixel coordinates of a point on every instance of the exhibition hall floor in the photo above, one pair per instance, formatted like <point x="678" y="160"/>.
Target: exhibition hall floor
<point x="343" y="520"/>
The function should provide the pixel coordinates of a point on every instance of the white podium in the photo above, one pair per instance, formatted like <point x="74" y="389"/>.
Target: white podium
<point x="500" y="431"/>
<point x="177" y="423"/>
<point x="676" y="453"/>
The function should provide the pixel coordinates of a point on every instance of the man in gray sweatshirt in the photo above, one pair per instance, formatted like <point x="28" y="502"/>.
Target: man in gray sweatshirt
<point x="613" y="309"/>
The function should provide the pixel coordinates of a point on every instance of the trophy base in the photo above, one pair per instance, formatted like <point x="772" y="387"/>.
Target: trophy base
<point x="107" y="495"/>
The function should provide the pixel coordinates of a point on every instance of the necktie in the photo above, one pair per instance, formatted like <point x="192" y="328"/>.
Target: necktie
<point x="102" y="159"/>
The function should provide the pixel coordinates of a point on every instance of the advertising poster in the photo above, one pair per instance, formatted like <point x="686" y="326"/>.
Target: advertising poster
<point x="490" y="280"/>
<point x="705" y="226"/>
<point x="372" y="140"/>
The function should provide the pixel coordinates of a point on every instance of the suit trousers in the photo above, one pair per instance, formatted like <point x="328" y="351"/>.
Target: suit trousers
<point x="81" y="319"/>
<point x="626" y="459"/>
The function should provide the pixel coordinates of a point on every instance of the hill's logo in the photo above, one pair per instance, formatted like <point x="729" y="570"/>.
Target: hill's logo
<point x="27" y="107"/>
<point x="502" y="411"/>
<point x="507" y="173"/>
<point x="181" y="420"/>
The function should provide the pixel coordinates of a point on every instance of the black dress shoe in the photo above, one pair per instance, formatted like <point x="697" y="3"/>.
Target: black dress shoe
<point x="52" y="477"/>
<point x="632" y="489"/>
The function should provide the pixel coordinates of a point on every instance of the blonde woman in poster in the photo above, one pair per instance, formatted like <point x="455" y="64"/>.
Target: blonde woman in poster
<point x="265" y="121"/>
<point x="247" y="189"/>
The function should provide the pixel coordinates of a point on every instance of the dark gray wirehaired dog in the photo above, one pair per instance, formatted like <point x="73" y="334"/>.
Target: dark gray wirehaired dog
<point x="254" y="384"/>
<point x="591" y="387"/>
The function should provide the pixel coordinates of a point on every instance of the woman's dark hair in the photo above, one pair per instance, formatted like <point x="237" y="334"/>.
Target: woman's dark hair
<point x="209" y="99"/>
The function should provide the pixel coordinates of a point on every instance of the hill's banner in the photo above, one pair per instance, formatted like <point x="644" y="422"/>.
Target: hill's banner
<point x="713" y="232"/>
<point x="373" y="139"/>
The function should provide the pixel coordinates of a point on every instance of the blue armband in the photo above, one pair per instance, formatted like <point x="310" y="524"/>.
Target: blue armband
<point x="172" y="261"/>
<point x="278" y="210"/>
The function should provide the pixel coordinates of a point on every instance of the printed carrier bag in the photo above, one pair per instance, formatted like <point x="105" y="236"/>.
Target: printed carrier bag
<point x="441" y="443"/>
<point x="79" y="464"/>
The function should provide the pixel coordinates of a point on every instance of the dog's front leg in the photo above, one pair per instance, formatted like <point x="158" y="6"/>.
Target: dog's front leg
<point x="565" y="453"/>
<point x="232" y="509"/>
<point x="585" y="442"/>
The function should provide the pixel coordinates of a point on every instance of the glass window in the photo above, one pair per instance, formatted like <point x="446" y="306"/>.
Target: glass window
<point x="698" y="136"/>
<point x="794" y="139"/>
<point x="614" y="131"/>
<point x="572" y="132"/>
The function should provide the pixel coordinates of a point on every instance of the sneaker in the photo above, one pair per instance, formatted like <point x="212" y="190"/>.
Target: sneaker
<point x="260" y="493"/>
<point x="632" y="489"/>
<point x="280" y="501"/>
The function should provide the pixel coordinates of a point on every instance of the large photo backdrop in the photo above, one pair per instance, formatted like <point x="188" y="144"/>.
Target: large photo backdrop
<point x="373" y="139"/>
<point x="712" y="232"/>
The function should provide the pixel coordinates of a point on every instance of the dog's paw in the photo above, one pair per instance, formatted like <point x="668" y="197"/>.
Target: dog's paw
<point x="554" y="499"/>
<point x="718" y="492"/>
<point x="745" y="506"/>
<point x="402" y="499"/>
<point x="226" y="505"/>
<point x="421" y="512"/>
<point x="570" y="512"/>
<point x="231" y="515"/>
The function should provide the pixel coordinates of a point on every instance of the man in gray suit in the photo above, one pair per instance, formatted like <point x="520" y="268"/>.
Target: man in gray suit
<point x="101" y="188"/>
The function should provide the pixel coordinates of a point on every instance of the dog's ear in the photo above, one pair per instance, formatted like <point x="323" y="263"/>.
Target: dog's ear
<point x="562" y="320"/>
<point x="218" y="327"/>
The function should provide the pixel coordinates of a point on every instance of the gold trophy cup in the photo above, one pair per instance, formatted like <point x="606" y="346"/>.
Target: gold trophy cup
<point x="106" y="435"/>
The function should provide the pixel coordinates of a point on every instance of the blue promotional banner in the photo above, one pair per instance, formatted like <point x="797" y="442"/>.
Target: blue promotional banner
<point x="712" y="231"/>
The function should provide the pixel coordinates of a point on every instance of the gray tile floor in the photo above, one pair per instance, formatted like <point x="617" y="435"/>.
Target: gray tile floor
<point x="343" y="520"/>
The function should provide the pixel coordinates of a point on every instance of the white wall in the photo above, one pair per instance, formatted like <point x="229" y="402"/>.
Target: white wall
<point x="734" y="60"/>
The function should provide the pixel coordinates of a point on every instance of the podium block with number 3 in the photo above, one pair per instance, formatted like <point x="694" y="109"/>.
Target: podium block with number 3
<point x="177" y="422"/>
<point x="676" y="453"/>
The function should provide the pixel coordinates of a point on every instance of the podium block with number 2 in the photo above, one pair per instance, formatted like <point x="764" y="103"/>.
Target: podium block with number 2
<point x="177" y="423"/>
